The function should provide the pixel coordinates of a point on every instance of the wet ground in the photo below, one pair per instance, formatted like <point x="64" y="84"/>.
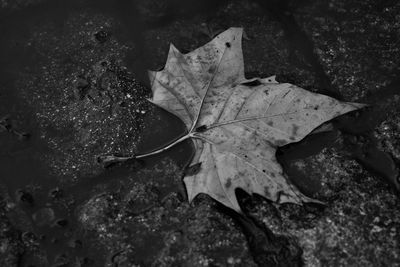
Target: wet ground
<point x="73" y="86"/>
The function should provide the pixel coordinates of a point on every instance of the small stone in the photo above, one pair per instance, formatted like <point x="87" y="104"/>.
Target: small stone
<point x="28" y="237"/>
<point x="82" y="88"/>
<point x="56" y="193"/>
<point x="10" y="205"/>
<point x="61" y="222"/>
<point x="102" y="36"/>
<point x="25" y="197"/>
<point x="376" y="229"/>
<point x="82" y="83"/>
<point x="105" y="82"/>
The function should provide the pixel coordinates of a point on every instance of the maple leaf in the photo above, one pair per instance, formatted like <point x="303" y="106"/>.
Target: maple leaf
<point x="237" y="124"/>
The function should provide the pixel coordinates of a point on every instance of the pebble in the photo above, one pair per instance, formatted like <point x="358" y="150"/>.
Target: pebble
<point x="102" y="36"/>
<point x="61" y="222"/>
<point x="25" y="197"/>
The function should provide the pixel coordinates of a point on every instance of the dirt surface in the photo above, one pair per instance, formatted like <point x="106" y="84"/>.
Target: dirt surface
<point x="73" y="87"/>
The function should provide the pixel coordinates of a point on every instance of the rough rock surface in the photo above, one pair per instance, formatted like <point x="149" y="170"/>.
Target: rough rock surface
<point x="72" y="78"/>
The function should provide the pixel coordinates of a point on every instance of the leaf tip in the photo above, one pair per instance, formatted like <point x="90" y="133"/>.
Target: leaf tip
<point x="237" y="30"/>
<point x="352" y="106"/>
<point x="233" y="34"/>
<point x="152" y="76"/>
<point x="172" y="52"/>
<point x="271" y="79"/>
<point x="361" y="105"/>
<point x="189" y="183"/>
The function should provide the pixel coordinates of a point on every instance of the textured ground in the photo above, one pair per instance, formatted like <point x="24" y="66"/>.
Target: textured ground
<point x="74" y="79"/>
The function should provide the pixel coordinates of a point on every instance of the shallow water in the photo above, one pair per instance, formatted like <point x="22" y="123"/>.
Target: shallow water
<point x="21" y="163"/>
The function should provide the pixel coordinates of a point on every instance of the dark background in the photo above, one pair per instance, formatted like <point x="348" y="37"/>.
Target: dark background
<point x="73" y="86"/>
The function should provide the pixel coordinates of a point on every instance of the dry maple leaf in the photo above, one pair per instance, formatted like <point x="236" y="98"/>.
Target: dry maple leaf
<point x="237" y="124"/>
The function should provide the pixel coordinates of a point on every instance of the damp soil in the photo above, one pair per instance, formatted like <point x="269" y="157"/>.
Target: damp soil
<point x="92" y="57"/>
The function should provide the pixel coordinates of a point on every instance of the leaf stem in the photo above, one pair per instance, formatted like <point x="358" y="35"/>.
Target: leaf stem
<point x="115" y="159"/>
<point x="192" y="134"/>
<point x="183" y="138"/>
